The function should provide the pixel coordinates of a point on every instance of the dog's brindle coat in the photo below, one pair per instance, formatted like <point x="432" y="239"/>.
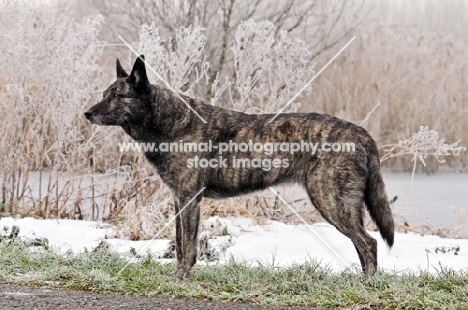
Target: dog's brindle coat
<point x="338" y="184"/>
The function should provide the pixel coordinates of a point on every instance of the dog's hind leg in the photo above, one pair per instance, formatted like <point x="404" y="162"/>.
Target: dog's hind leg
<point x="342" y="205"/>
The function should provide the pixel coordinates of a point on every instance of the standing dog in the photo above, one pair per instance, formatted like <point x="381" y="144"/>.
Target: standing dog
<point x="338" y="184"/>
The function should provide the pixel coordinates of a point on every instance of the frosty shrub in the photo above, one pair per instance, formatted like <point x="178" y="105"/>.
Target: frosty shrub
<point x="142" y="222"/>
<point x="269" y="69"/>
<point x="48" y="73"/>
<point x="269" y="66"/>
<point x="324" y="24"/>
<point x="420" y="145"/>
<point x="180" y="61"/>
<point x="54" y="163"/>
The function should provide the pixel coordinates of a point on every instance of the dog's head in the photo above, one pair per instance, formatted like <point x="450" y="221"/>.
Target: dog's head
<point x="125" y="102"/>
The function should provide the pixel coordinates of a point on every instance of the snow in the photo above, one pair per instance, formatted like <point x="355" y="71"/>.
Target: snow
<point x="289" y="244"/>
<point x="273" y="243"/>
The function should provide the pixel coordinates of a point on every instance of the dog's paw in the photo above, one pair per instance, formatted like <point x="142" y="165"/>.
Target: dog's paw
<point x="180" y="273"/>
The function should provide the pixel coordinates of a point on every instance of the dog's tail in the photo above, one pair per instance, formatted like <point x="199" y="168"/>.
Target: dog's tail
<point x="376" y="197"/>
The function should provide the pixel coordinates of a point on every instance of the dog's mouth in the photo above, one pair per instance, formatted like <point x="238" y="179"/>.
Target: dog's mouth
<point x="98" y="119"/>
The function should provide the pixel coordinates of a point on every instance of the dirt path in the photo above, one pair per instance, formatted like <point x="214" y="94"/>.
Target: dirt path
<point x="22" y="297"/>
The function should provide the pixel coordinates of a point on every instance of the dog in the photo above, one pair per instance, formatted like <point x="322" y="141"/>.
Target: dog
<point x="339" y="184"/>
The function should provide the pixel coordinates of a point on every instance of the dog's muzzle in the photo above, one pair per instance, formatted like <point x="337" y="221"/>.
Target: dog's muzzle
<point x="88" y="114"/>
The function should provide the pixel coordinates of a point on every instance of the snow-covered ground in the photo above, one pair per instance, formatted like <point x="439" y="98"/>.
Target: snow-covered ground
<point x="272" y="243"/>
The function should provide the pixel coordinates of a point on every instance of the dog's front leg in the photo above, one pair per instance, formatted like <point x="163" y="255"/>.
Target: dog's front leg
<point x="186" y="234"/>
<point x="178" y="240"/>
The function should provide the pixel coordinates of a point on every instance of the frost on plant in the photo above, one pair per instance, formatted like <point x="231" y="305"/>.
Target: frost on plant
<point x="269" y="69"/>
<point x="422" y="144"/>
<point x="142" y="221"/>
<point x="180" y="61"/>
<point x="49" y="65"/>
<point x="48" y="73"/>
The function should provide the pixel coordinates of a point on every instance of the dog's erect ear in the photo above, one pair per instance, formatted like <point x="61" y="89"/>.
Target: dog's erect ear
<point x="138" y="77"/>
<point x="121" y="73"/>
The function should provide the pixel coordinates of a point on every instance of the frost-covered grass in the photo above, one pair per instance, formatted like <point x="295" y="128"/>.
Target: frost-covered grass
<point x="269" y="264"/>
<point x="309" y="284"/>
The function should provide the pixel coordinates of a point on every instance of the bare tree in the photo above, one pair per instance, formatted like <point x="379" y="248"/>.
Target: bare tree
<point x="321" y="23"/>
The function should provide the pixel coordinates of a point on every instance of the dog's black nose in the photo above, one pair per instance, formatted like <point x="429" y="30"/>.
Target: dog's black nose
<point x="88" y="114"/>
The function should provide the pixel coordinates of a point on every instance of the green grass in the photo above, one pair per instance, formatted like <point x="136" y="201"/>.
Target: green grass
<point x="306" y="285"/>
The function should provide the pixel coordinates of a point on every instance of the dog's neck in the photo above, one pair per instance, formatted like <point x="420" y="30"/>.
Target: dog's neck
<point x="170" y="116"/>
